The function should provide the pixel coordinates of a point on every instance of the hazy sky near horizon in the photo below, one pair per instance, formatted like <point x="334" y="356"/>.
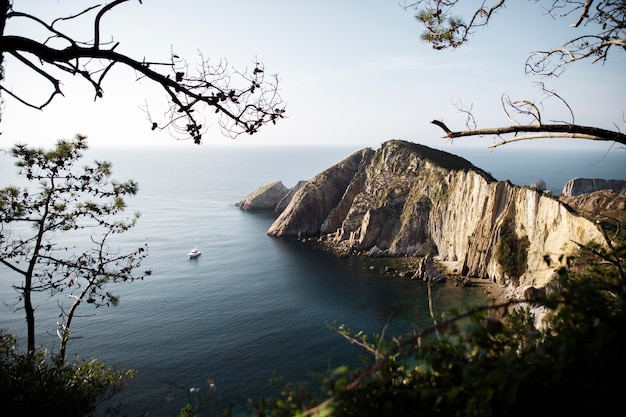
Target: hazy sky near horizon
<point x="352" y="72"/>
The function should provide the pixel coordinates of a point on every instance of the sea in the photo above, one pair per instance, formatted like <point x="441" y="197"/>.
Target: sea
<point x="218" y="330"/>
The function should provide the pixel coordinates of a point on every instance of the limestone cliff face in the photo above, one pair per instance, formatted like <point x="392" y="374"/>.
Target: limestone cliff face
<point x="470" y="224"/>
<point x="408" y="199"/>
<point x="578" y="186"/>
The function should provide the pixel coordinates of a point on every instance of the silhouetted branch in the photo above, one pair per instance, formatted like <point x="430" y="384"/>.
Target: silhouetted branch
<point x="241" y="109"/>
<point x="447" y="25"/>
<point x="443" y="126"/>
<point x="533" y="126"/>
<point x="537" y="131"/>
<point x="445" y="29"/>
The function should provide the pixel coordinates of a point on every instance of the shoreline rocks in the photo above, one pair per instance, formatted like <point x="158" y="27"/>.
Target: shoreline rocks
<point x="410" y="200"/>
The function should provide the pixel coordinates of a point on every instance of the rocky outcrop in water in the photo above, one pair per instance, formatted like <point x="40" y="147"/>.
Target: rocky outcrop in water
<point x="409" y="199"/>
<point x="274" y="196"/>
<point x="265" y="198"/>
<point x="578" y="186"/>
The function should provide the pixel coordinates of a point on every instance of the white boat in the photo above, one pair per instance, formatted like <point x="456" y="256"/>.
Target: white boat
<point x="194" y="252"/>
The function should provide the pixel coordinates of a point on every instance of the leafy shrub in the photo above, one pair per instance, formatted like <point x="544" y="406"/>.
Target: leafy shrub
<point x="38" y="385"/>
<point x="512" y="252"/>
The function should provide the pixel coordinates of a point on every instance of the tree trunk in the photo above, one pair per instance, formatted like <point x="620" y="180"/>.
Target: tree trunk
<point x="4" y="8"/>
<point x="30" y="314"/>
<point x="65" y="326"/>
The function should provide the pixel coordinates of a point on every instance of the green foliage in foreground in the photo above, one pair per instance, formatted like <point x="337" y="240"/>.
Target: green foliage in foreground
<point x="569" y="366"/>
<point x="40" y="385"/>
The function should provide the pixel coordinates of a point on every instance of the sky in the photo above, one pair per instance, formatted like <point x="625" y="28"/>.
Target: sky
<point x="352" y="73"/>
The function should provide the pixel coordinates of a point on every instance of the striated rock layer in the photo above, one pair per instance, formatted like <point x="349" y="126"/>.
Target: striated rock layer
<point x="579" y="186"/>
<point x="408" y="199"/>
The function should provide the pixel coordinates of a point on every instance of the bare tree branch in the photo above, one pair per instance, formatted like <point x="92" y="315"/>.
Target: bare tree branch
<point x="244" y="108"/>
<point x="533" y="126"/>
<point x="445" y="29"/>
<point x="605" y="18"/>
<point x="538" y="131"/>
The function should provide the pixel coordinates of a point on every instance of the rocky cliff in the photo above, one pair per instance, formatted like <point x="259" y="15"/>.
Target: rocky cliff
<point x="274" y="196"/>
<point x="265" y="198"/>
<point x="408" y="199"/>
<point x="578" y="186"/>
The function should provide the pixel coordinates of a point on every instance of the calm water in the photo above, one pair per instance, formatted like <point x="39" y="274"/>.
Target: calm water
<point x="250" y="305"/>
